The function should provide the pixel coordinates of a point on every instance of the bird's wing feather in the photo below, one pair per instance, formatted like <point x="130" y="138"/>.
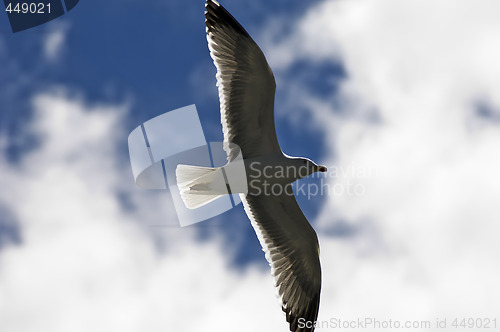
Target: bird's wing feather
<point x="246" y="85"/>
<point x="292" y="250"/>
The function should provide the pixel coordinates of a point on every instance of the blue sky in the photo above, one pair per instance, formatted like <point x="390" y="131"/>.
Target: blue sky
<point x="406" y="112"/>
<point x="153" y="55"/>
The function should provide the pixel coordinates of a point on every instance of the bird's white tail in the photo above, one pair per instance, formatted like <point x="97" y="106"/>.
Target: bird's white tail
<point x="199" y="185"/>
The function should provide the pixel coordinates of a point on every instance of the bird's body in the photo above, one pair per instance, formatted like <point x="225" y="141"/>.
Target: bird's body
<point x="271" y="171"/>
<point x="246" y="92"/>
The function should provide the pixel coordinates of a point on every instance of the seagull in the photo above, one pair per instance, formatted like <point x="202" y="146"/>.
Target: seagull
<point x="246" y="92"/>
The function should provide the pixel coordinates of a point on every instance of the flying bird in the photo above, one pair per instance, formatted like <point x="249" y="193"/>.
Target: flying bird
<point x="246" y="91"/>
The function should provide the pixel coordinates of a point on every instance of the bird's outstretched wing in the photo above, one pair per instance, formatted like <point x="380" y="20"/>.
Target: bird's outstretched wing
<point x="246" y="85"/>
<point x="292" y="250"/>
<point x="246" y="92"/>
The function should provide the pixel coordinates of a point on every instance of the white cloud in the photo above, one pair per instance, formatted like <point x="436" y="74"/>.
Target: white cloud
<point x="86" y="263"/>
<point x="53" y="44"/>
<point x="431" y="205"/>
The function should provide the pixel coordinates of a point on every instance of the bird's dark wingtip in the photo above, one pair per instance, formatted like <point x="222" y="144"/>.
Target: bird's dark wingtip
<point x="305" y="321"/>
<point x="217" y="16"/>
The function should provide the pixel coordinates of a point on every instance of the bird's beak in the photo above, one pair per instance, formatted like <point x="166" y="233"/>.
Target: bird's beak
<point x="322" y="169"/>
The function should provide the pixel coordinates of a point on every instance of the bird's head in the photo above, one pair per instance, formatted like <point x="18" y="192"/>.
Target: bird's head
<point x="308" y="167"/>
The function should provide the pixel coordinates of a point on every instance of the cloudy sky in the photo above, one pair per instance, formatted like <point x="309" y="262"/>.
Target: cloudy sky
<point x="400" y="99"/>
